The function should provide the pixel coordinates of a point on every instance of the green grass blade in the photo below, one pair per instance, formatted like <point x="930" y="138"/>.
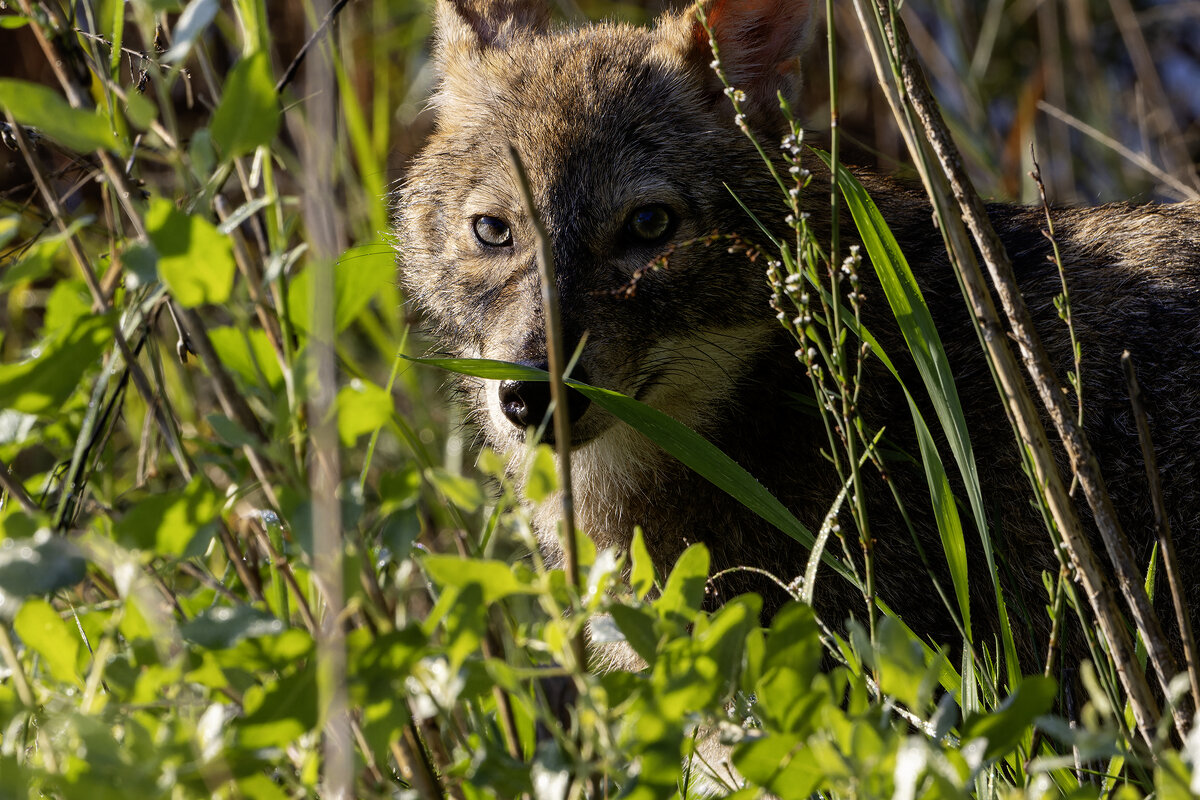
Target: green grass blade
<point x="924" y="343"/>
<point x="672" y="436"/>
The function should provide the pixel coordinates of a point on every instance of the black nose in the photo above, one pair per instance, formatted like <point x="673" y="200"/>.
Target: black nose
<point x="526" y="403"/>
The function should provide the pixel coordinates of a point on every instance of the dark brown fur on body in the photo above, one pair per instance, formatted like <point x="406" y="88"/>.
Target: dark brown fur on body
<point x="609" y="119"/>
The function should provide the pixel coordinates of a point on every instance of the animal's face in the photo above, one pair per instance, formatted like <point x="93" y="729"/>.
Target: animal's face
<point x="627" y="139"/>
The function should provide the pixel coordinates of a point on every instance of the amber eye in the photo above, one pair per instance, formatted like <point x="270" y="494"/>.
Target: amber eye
<point x="649" y="224"/>
<point x="493" y="231"/>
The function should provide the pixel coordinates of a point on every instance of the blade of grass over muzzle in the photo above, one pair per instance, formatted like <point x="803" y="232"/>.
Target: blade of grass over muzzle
<point x="675" y="438"/>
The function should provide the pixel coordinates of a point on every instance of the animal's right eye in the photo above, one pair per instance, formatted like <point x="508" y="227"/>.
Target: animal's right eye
<point x="493" y="231"/>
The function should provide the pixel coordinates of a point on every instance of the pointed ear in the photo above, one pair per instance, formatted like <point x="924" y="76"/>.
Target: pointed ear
<point x="463" y="26"/>
<point x="759" y="43"/>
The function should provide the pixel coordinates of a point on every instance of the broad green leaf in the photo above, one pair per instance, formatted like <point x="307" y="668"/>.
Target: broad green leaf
<point x="900" y="661"/>
<point x="724" y="635"/>
<point x="685" y="587"/>
<point x="465" y="623"/>
<point x="463" y="492"/>
<point x="44" y="632"/>
<point x="194" y="261"/>
<point x="542" y="476"/>
<point x="782" y="764"/>
<point x="1004" y="728"/>
<point x="497" y="578"/>
<point x="230" y="432"/>
<point x="790" y="661"/>
<point x="362" y="407"/>
<point x="248" y="114"/>
<point x="247" y="353"/>
<point x="68" y="303"/>
<point x="278" y="715"/>
<point x="42" y="383"/>
<point x="638" y="626"/>
<point x="1173" y="780"/>
<point x="36" y="566"/>
<point x="167" y="524"/>
<point x="222" y="627"/>
<point x="258" y="786"/>
<point x="9" y="226"/>
<point x="47" y="110"/>
<point x="140" y="111"/>
<point x="358" y="277"/>
<point x="641" y="574"/>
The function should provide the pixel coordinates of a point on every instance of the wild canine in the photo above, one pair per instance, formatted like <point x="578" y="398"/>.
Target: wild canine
<point x="630" y="144"/>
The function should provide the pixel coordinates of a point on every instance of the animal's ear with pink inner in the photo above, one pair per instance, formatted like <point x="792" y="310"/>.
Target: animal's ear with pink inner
<point x="759" y="43"/>
<point x="466" y="26"/>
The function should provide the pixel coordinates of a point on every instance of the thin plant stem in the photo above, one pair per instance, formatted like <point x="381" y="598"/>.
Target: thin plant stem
<point x="1162" y="528"/>
<point x="894" y="61"/>
<point x="558" y="390"/>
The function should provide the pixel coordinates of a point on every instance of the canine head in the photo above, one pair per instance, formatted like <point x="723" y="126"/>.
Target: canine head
<point x="633" y="153"/>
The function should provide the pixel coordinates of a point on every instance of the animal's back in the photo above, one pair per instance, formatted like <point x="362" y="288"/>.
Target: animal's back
<point x="634" y="154"/>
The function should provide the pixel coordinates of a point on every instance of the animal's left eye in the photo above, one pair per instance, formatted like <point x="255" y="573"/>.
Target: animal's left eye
<point x="493" y="231"/>
<point x="650" y="224"/>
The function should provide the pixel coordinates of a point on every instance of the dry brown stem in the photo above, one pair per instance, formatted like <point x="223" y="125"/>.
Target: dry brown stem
<point x="900" y="61"/>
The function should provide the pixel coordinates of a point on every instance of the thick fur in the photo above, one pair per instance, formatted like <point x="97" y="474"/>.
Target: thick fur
<point x="608" y="118"/>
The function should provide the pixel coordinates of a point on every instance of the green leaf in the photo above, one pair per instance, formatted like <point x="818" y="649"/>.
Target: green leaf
<point x="638" y="627"/>
<point x="44" y="632"/>
<point x="497" y="578"/>
<point x="641" y="574"/>
<point x="41" y="384"/>
<point x="465" y="624"/>
<point x="67" y="305"/>
<point x="900" y="659"/>
<point x="39" y="565"/>
<point x="542" y="477"/>
<point x="278" y="715"/>
<point x="248" y="354"/>
<point x="172" y="523"/>
<point x="140" y="111"/>
<point x="248" y="114"/>
<point x="358" y="277"/>
<point x="194" y="260"/>
<point x="462" y="492"/>
<point x="222" y="627"/>
<point x="792" y="658"/>
<point x="1004" y="729"/>
<point x="781" y="764"/>
<point x="230" y="432"/>
<point x="724" y="636"/>
<point x="9" y="226"/>
<point x="685" y="587"/>
<point x="45" y="109"/>
<point x="198" y="15"/>
<point x="362" y="407"/>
